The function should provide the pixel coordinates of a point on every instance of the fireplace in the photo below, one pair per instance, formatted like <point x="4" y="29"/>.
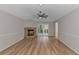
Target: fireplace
<point x="30" y="32"/>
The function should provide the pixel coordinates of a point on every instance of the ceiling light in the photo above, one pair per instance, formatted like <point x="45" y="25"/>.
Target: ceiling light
<point x="40" y="14"/>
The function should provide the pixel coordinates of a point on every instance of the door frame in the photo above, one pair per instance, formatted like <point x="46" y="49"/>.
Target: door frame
<point x="56" y="29"/>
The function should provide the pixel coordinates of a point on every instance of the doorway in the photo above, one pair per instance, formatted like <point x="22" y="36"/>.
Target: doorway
<point x="56" y="29"/>
<point x="43" y="29"/>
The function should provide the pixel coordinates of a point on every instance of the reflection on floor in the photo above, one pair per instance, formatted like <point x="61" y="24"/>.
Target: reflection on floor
<point x="39" y="46"/>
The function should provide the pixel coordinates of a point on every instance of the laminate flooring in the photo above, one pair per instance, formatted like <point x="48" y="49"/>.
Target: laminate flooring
<point x="41" y="45"/>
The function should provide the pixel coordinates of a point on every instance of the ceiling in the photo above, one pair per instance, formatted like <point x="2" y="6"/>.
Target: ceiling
<point x="29" y="11"/>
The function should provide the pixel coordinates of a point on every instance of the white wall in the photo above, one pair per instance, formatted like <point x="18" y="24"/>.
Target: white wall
<point x="69" y="30"/>
<point x="51" y="29"/>
<point x="29" y="23"/>
<point x="11" y="30"/>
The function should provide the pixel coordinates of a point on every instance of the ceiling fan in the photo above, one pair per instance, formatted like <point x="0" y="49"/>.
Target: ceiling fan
<point x="40" y="14"/>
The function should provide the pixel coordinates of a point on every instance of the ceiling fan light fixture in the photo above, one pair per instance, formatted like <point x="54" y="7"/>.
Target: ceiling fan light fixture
<point x="40" y="14"/>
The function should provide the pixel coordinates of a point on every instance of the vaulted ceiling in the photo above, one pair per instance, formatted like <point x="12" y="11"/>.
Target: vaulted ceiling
<point x="29" y="11"/>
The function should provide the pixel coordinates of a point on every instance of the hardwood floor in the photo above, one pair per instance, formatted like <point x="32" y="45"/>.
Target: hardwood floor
<point x="38" y="46"/>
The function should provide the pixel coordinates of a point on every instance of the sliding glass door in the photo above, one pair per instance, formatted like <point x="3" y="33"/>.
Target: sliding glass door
<point x="43" y="29"/>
